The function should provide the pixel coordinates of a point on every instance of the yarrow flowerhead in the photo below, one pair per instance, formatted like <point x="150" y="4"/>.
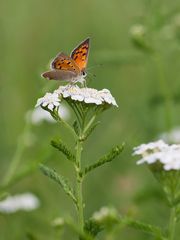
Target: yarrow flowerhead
<point x="86" y="103"/>
<point x="87" y="95"/>
<point x="159" y="151"/>
<point x="105" y="213"/>
<point x="137" y="30"/>
<point x="50" y="100"/>
<point x="151" y="147"/>
<point x="25" y="202"/>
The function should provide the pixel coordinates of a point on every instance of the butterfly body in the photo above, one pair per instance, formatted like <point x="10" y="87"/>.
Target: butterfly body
<point x="70" y="68"/>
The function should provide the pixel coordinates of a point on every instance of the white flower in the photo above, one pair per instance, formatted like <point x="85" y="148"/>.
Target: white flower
<point x="137" y="30"/>
<point x="58" y="222"/>
<point x="38" y="115"/>
<point x="172" y="136"/>
<point x="107" y="97"/>
<point x="104" y="213"/>
<point x="167" y="155"/>
<point x="50" y="100"/>
<point x="151" y="158"/>
<point x="25" y="201"/>
<point x="87" y="95"/>
<point x="171" y="158"/>
<point x="152" y="147"/>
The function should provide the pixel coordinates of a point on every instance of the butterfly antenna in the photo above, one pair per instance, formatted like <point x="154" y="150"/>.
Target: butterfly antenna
<point x="92" y="74"/>
<point x="90" y="77"/>
<point x="94" y="66"/>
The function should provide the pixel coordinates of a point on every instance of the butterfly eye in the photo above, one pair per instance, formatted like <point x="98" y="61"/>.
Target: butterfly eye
<point x="84" y="74"/>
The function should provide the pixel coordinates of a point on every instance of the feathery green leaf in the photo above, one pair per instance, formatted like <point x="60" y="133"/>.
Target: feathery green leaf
<point x="64" y="149"/>
<point x="60" y="180"/>
<point x="114" y="152"/>
<point x="144" y="227"/>
<point x="92" y="227"/>
<point x="82" y="234"/>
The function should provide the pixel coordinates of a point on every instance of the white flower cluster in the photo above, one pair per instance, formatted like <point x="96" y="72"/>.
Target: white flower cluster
<point x="87" y="95"/>
<point x="25" y="202"/>
<point x="50" y="100"/>
<point x="167" y="155"/>
<point x="104" y="213"/>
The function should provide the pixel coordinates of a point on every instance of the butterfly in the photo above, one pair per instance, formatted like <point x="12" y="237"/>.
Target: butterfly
<point x="70" y="68"/>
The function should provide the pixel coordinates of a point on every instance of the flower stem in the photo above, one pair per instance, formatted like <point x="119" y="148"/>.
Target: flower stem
<point x="172" y="223"/>
<point x="17" y="155"/>
<point x="79" y="182"/>
<point x="90" y="123"/>
<point x="68" y="127"/>
<point x="165" y="90"/>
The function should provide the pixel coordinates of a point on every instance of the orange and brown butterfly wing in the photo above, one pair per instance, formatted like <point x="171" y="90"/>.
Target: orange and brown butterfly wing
<point x="80" y="54"/>
<point x="64" y="62"/>
<point x="63" y="68"/>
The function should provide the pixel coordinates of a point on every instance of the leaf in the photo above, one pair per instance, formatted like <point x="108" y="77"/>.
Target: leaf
<point x="64" y="149"/>
<point x="76" y="127"/>
<point x="90" y="130"/>
<point x="143" y="227"/>
<point x="82" y="234"/>
<point x="60" y="180"/>
<point x="92" y="227"/>
<point x="30" y="236"/>
<point x="114" y="152"/>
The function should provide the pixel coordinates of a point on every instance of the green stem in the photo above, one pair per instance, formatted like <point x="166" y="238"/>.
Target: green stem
<point x="76" y="111"/>
<point x="68" y="127"/>
<point x="17" y="155"/>
<point x="79" y="185"/>
<point x="172" y="223"/>
<point x="90" y="123"/>
<point x="165" y="90"/>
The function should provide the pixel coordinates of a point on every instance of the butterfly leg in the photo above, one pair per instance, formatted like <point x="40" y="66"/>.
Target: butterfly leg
<point x="84" y="84"/>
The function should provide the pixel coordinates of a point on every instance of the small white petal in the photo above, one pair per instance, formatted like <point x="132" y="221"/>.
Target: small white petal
<point x="65" y="94"/>
<point x="50" y="100"/>
<point x="56" y="104"/>
<point x="50" y="106"/>
<point x="77" y="97"/>
<point x="44" y="104"/>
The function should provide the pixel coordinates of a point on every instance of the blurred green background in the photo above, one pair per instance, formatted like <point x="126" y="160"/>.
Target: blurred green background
<point x="140" y="66"/>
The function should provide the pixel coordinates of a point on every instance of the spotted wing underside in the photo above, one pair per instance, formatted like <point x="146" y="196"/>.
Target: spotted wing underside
<point x="63" y="68"/>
